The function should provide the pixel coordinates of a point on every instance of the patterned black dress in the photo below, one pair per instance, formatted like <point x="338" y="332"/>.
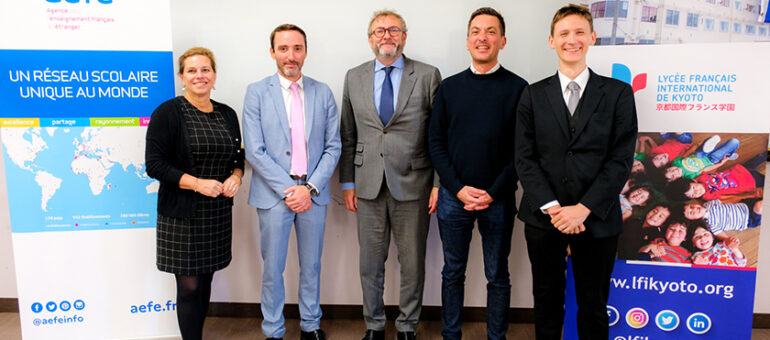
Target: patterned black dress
<point x="201" y="244"/>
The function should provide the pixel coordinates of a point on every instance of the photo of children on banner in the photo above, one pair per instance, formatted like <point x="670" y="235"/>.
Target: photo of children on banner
<point x="694" y="198"/>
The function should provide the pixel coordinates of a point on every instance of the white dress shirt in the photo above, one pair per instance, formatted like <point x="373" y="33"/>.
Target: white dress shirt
<point x="581" y="80"/>
<point x="286" y="92"/>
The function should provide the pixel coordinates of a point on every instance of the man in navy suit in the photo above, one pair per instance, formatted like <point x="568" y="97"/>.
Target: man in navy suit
<point x="291" y="134"/>
<point x="575" y="136"/>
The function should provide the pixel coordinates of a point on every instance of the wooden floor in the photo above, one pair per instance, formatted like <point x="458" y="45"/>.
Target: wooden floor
<point x="249" y="328"/>
<point x="235" y="328"/>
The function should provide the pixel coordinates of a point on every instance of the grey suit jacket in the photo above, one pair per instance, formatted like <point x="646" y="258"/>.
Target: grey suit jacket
<point x="398" y="150"/>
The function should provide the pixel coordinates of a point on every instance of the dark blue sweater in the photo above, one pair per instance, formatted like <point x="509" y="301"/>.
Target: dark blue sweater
<point x="472" y="131"/>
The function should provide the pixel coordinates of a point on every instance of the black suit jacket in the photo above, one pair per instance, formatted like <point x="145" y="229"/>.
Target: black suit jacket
<point x="589" y="165"/>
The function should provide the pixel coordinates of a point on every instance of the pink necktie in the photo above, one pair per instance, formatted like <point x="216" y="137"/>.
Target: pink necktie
<point x="298" y="149"/>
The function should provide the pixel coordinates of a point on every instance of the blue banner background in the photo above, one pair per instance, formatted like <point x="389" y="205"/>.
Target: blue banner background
<point x="16" y="106"/>
<point x="731" y="318"/>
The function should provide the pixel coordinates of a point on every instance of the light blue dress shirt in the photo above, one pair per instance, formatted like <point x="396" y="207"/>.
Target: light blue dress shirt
<point x="395" y="79"/>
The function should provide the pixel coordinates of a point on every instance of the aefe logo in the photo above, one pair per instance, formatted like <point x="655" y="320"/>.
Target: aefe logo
<point x="623" y="73"/>
<point x="106" y="2"/>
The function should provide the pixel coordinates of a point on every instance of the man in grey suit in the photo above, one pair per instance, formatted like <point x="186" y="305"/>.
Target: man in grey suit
<point x="385" y="168"/>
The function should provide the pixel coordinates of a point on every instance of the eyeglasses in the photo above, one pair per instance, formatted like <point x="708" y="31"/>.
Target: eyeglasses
<point x="379" y="32"/>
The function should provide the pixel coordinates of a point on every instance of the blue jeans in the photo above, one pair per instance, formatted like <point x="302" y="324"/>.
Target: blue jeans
<point x="720" y="151"/>
<point x="684" y="138"/>
<point x="455" y="227"/>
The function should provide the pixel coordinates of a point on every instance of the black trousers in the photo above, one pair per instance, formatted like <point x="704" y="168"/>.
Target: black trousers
<point x="592" y="263"/>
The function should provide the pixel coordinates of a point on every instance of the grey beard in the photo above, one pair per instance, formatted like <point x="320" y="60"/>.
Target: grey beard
<point x="378" y="52"/>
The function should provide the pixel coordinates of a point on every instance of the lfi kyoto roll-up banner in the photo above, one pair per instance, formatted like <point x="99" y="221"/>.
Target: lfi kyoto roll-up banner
<point x="692" y="207"/>
<point x="79" y="80"/>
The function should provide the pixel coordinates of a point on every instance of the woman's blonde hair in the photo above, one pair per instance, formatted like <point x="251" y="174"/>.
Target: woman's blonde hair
<point x="197" y="51"/>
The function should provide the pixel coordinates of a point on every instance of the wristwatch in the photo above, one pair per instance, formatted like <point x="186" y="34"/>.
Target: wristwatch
<point x="313" y="190"/>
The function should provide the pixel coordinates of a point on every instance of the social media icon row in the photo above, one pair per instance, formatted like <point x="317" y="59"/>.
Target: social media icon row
<point x="666" y="320"/>
<point x="63" y="306"/>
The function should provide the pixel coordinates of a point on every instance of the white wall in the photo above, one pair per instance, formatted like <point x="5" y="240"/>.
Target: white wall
<point x="238" y="33"/>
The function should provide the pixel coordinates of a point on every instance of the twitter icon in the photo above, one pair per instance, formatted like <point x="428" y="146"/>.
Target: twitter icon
<point x="667" y="320"/>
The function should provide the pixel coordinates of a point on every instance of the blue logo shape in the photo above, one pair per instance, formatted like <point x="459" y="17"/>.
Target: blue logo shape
<point x="79" y="304"/>
<point x="667" y="320"/>
<point x="621" y="72"/>
<point x="65" y="306"/>
<point x="612" y="312"/>
<point x="106" y="2"/>
<point x="699" y="323"/>
<point x="37" y="307"/>
<point x="50" y="306"/>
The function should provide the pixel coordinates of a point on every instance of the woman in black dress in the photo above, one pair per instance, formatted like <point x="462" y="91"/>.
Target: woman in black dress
<point x="194" y="151"/>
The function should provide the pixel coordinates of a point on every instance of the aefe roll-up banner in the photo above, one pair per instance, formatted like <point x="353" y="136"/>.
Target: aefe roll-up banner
<point x="687" y="258"/>
<point x="79" y="80"/>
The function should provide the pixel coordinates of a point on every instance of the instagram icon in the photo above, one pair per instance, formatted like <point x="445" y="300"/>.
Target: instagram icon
<point x="637" y="317"/>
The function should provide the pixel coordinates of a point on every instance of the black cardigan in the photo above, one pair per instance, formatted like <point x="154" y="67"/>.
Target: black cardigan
<point x="167" y="155"/>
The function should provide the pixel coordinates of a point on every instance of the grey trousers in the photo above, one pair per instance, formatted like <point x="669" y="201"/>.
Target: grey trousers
<point x="408" y="222"/>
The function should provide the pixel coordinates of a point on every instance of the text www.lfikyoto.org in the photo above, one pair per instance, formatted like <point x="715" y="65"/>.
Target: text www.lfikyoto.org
<point x="57" y="320"/>
<point x="651" y="284"/>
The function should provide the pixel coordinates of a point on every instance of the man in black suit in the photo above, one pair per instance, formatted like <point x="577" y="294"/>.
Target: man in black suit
<point x="575" y="136"/>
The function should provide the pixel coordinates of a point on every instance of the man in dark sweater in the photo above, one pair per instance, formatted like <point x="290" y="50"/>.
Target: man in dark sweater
<point x="471" y="144"/>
